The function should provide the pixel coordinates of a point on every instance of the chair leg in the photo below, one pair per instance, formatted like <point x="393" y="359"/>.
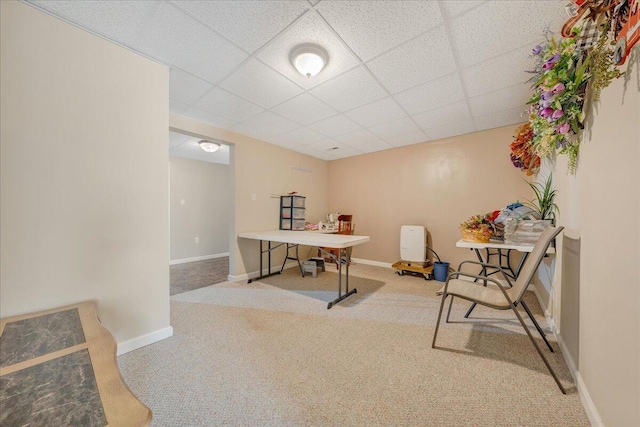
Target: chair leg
<point x="449" y="311"/>
<point x="535" y="323"/>
<point x="533" y="341"/>
<point x="435" y="333"/>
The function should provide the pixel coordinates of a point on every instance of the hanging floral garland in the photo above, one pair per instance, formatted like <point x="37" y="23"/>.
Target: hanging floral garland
<point x="522" y="154"/>
<point x="585" y="60"/>
<point x="556" y="114"/>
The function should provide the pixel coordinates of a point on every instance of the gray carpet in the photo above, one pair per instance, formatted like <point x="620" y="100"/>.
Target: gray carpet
<point x="270" y="353"/>
<point x="193" y="275"/>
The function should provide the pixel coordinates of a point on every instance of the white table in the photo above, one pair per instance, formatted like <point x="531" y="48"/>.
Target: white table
<point x="308" y="238"/>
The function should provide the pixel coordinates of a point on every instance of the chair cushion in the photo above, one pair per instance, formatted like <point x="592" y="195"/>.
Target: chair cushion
<point x="475" y="291"/>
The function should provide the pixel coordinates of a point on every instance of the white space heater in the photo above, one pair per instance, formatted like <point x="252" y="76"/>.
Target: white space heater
<point x="413" y="243"/>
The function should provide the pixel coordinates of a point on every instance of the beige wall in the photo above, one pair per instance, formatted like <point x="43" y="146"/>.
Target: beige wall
<point x="436" y="184"/>
<point x="262" y="169"/>
<point x="84" y="176"/>
<point x="601" y="206"/>
<point x="204" y="187"/>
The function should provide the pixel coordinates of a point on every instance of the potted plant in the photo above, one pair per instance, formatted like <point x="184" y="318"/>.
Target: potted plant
<point x="544" y="201"/>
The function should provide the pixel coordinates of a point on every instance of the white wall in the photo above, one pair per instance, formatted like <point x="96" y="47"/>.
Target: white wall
<point x="84" y="175"/>
<point x="204" y="189"/>
<point x="601" y="207"/>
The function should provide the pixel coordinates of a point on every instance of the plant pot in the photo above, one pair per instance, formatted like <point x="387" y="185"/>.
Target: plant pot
<point x="440" y="271"/>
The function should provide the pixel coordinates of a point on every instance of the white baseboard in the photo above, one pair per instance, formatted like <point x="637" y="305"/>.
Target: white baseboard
<point x="254" y="274"/>
<point x="585" y="397"/>
<point x="144" y="340"/>
<point x="371" y="262"/>
<point x="198" y="258"/>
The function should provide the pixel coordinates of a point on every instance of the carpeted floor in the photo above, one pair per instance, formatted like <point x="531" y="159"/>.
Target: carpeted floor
<point x="269" y="353"/>
<point x="193" y="275"/>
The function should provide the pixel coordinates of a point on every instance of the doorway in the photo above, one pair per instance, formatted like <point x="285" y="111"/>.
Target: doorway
<point x="200" y="205"/>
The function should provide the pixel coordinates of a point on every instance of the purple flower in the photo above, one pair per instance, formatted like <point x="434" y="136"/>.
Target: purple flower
<point x="536" y="50"/>
<point x="563" y="128"/>
<point x="559" y="88"/>
<point x="551" y="62"/>
<point x="547" y="103"/>
<point x="546" y="112"/>
<point x="548" y="95"/>
<point x="557" y="114"/>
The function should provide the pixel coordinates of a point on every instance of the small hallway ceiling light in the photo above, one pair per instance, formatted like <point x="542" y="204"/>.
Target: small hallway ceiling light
<point x="208" y="146"/>
<point x="309" y="59"/>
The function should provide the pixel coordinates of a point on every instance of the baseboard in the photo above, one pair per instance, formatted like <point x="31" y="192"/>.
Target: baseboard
<point x="144" y="340"/>
<point x="371" y="262"/>
<point x="198" y="258"/>
<point x="589" y="406"/>
<point x="585" y="397"/>
<point x="254" y="274"/>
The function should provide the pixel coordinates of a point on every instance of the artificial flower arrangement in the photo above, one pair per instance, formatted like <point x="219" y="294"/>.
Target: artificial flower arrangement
<point x="477" y="228"/>
<point x="523" y="155"/>
<point x="556" y="113"/>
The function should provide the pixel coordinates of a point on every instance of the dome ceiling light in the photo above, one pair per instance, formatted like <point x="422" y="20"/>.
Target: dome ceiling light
<point x="208" y="146"/>
<point x="309" y="59"/>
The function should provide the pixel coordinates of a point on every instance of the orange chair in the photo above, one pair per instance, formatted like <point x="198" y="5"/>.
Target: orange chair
<point x="345" y="226"/>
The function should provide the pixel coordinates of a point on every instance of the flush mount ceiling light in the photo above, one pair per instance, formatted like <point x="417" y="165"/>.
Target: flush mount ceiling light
<point x="309" y="59"/>
<point x="209" y="146"/>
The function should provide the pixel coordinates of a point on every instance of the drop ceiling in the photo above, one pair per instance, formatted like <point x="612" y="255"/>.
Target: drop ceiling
<point x="399" y="72"/>
<point x="188" y="147"/>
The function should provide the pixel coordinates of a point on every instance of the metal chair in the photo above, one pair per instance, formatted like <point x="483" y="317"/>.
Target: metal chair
<point x="503" y="298"/>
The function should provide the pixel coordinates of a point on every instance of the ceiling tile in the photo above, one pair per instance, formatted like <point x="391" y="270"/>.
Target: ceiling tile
<point x="300" y="136"/>
<point x="358" y="137"/>
<point x="186" y="88"/>
<point x="269" y="123"/>
<point x="304" y="109"/>
<point x="336" y="125"/>
<point x="260" y="84"/>
<point x="310" y="29"/>
<point x="212" y="119"/>
<point x="327" y="146"/>
<point x="346" y="152"/>
<point x="377" y="112"/>
<point x="493" y="29"/>
<point x="189" y="146"/>
<point x="499" y="119"/>
<point x="408" y="139"/>
<point x="228" y="105"/>
<point x="422" y="59"/>
<point x="175" y="38"/>
<point x="177" y="106"/>
<point x="349" y="90"/>
<point x="306" y="149"/>
<point x="249" y="24"/>
<point x="119" y="21"/>
<point x="176" y="139"/>
<point x="510" y="67"/>
<point x="457" y="7"/>
<point x="373" y="146"/>
<point x="443" y="91"/>
<point x="185" y="155"/>
<point x="394" y="128"/>
<point x="451" y="129"/>
<point x="371" y="28"/>
<point x="500" y="100"/>
<point x="443" y="115"/>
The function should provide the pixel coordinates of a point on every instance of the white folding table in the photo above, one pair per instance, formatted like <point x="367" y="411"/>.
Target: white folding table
<point x="308" y="238"/>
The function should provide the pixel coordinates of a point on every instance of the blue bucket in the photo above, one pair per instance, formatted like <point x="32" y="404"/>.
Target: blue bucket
<point x="440" y="271"/>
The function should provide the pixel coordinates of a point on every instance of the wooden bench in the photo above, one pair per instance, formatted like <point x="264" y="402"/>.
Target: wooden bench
<point x="59" y="367"/>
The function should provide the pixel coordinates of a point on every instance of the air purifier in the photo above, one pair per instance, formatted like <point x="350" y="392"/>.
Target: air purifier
<point x="413" y="243"/>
